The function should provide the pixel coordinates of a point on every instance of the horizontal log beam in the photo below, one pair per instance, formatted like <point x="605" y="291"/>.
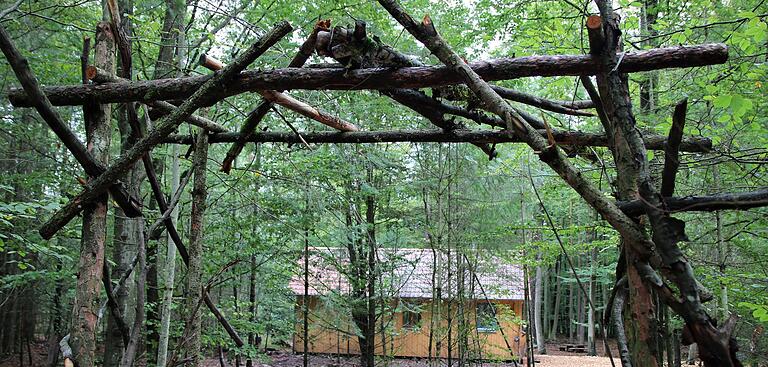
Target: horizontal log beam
<point x="706" y="203"/>
<point x="376" y="78"/>
<point x="571" y="138"/>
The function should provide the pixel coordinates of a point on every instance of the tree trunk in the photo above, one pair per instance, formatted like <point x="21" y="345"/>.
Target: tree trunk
<point x="546" y="307"/>
<point x="170" y="268"/>
<point x="537" y="316"/>
<point x="170" y="36"/>
<point x="252" y="306"/>
<point x="722" y="253"/>
<point x="693" y="354"/>
<point x="195" y="268"/>
<point x="556" y="309"/>
<point x="124" y="244"/>
<point x="370" y="221"/>
<point x="592" y="351"/>
<point x="649" y="79"/>
<point x="94" y="232"/>
<point x="581" y="308"/>
<point x="571" y="314"/>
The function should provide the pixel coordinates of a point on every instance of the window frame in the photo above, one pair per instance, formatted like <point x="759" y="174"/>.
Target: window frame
<point x="410" y="311"/>
<point x="485" y="318"/>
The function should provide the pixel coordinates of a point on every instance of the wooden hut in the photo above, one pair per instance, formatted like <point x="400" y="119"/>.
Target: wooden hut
<point x="472" y="307"/>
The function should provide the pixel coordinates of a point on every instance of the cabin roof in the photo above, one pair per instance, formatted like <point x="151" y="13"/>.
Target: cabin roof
<point x="408" y="274"/>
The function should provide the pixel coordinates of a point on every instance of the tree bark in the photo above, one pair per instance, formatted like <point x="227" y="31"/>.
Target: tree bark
<point x="376" y="78"/>
<point x="94" y="228"/>
<point x="567" y="138"/>
<point x="592" y="351"/>
<point x="639" y="317"/>
<point x="170" y="269"/>
<point x="556" y="309"/>
<point x="196" y="237"/>
<point x="541" y="347"/>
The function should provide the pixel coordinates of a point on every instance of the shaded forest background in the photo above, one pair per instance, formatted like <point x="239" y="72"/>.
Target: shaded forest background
<point x="451" y="197"/>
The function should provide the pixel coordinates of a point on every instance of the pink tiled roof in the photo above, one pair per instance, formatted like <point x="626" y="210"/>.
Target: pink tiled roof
<point x="407" y="273"/>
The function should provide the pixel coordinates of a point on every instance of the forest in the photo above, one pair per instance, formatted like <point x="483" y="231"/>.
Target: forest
<point x="383" y="183"/>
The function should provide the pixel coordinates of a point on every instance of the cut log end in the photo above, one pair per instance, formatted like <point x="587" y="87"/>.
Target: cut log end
<point x="90" y="72"/>
<point x="594" y="22"/>
<point x="595" y="33"/>
<point x="226" y="167"/>
<point x="210" y="63"/>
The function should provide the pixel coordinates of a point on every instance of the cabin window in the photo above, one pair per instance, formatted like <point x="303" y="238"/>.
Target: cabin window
<point x="486" y="320"/>
<point x="411" y="316"/>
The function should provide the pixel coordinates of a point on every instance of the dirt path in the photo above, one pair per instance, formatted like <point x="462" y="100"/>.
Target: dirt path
<point x="569" y="361"/>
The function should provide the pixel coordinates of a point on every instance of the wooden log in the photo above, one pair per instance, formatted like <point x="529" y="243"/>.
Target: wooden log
<point x="20" y="66"/>
<point x="98" y="131"/>
<point x="595" y="34"/>
<point x="672" y="150"/>
<point x="703" y="203"/>
<point x="101" y="76"/>
<point x="289" y="102"/>
<point x="542" y="103"/>
<point x="434" y="111"/>
<point x="566" y="138"/>
<point x="162" y="129"/>
<point x="377" y="78"/>
<point x="210" y="63"/>
<point x="577" y="105"/>
<point x="306" y="110"/>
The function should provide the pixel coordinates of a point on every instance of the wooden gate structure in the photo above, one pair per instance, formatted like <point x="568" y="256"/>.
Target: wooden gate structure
<point x="654" y="261"/>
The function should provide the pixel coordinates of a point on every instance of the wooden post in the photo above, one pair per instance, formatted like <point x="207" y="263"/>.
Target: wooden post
<point x="196" y="235"/>
<point x="94" y="230"/>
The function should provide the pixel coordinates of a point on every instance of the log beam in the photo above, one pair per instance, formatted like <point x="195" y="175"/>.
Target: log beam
<point x="672" y="150"/>
<point x="704" y="203"/>
<point x="567" y="138"/>
<point x="377" y="78"/>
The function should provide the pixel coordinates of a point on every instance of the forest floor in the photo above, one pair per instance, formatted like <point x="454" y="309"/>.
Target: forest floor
<point x="287" y="359"/>
<point x="555" y="358"/>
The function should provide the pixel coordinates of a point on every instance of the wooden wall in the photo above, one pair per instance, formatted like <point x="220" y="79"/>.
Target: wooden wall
<point x="332" y="332"/>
